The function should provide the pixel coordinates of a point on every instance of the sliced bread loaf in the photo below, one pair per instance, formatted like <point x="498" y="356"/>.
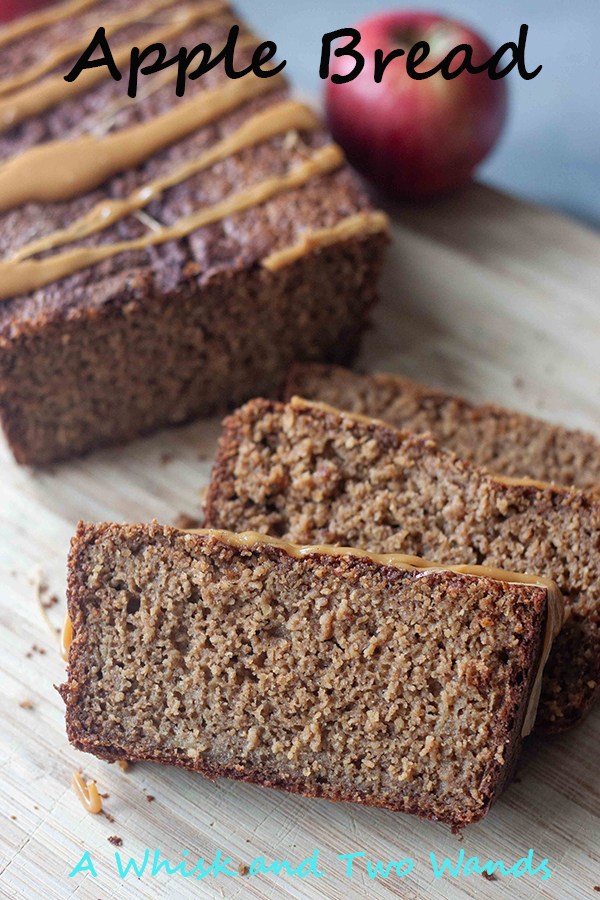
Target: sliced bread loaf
<point x="322" y="671"/>
<point x="309" y="473"/>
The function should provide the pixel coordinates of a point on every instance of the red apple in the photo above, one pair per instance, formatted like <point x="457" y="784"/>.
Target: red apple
<point x="10" y="9"/>
<point x="412" y="137"/>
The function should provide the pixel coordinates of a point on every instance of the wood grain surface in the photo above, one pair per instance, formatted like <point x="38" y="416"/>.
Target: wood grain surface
<point x="483" y="295"/>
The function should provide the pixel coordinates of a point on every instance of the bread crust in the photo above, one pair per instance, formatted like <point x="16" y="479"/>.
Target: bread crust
<point x="73" y="379"/>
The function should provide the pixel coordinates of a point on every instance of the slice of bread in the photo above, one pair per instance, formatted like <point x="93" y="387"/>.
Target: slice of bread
<point x="501" y="441"/>
<point x="326" y="672"/>
<point x="309" y="473"/>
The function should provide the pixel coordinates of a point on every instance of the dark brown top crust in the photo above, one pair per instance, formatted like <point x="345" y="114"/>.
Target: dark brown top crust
<point x="235" y="242"/>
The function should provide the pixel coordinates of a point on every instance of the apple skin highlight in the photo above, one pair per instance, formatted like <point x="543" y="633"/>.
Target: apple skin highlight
<point x="415" y="138"/>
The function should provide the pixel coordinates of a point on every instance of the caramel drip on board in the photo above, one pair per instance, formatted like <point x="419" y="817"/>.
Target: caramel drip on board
<point x="36" y="20"/>
<point x="61" y="170"/>
<point x="22" y="277"/>
<point x="69" y="49"/>
<point x="51" y="91"/>
<point x="87" y="793"/>
<point x="362" y="223"/>
<point x="260" y="127"/>
<point x="555" y="601"/>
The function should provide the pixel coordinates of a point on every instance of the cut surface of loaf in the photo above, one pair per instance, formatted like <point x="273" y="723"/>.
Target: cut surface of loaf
<point x="164" y="257"/>
<point x="309" y="473"/>
<point x="501" y="441"/>
<point x="324" y="673"/>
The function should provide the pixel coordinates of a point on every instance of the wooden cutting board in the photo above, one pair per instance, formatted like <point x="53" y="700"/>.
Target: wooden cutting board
<point x="483" y="295"/>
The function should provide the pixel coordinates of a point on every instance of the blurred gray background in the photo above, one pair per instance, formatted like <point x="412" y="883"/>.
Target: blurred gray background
<point x="550" y="150"/>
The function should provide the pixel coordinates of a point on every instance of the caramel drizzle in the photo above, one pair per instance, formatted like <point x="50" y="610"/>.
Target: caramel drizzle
<point x="51" y="91"/>
<point x="69" y="49"/>
<point x="61" y="170"/>
<point x="301" y="403"/>
<point x="511" y="480"/>
<point x="87" y="793"/>
<point x="404" y="561"/>
<point x="362" y="223"/>
<point x="100" y="125"/>
<point x="260" y="127"/>
<point x="34" y="21"/>
<point x="66" y="637"/>
<point x="22" y="277"/>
